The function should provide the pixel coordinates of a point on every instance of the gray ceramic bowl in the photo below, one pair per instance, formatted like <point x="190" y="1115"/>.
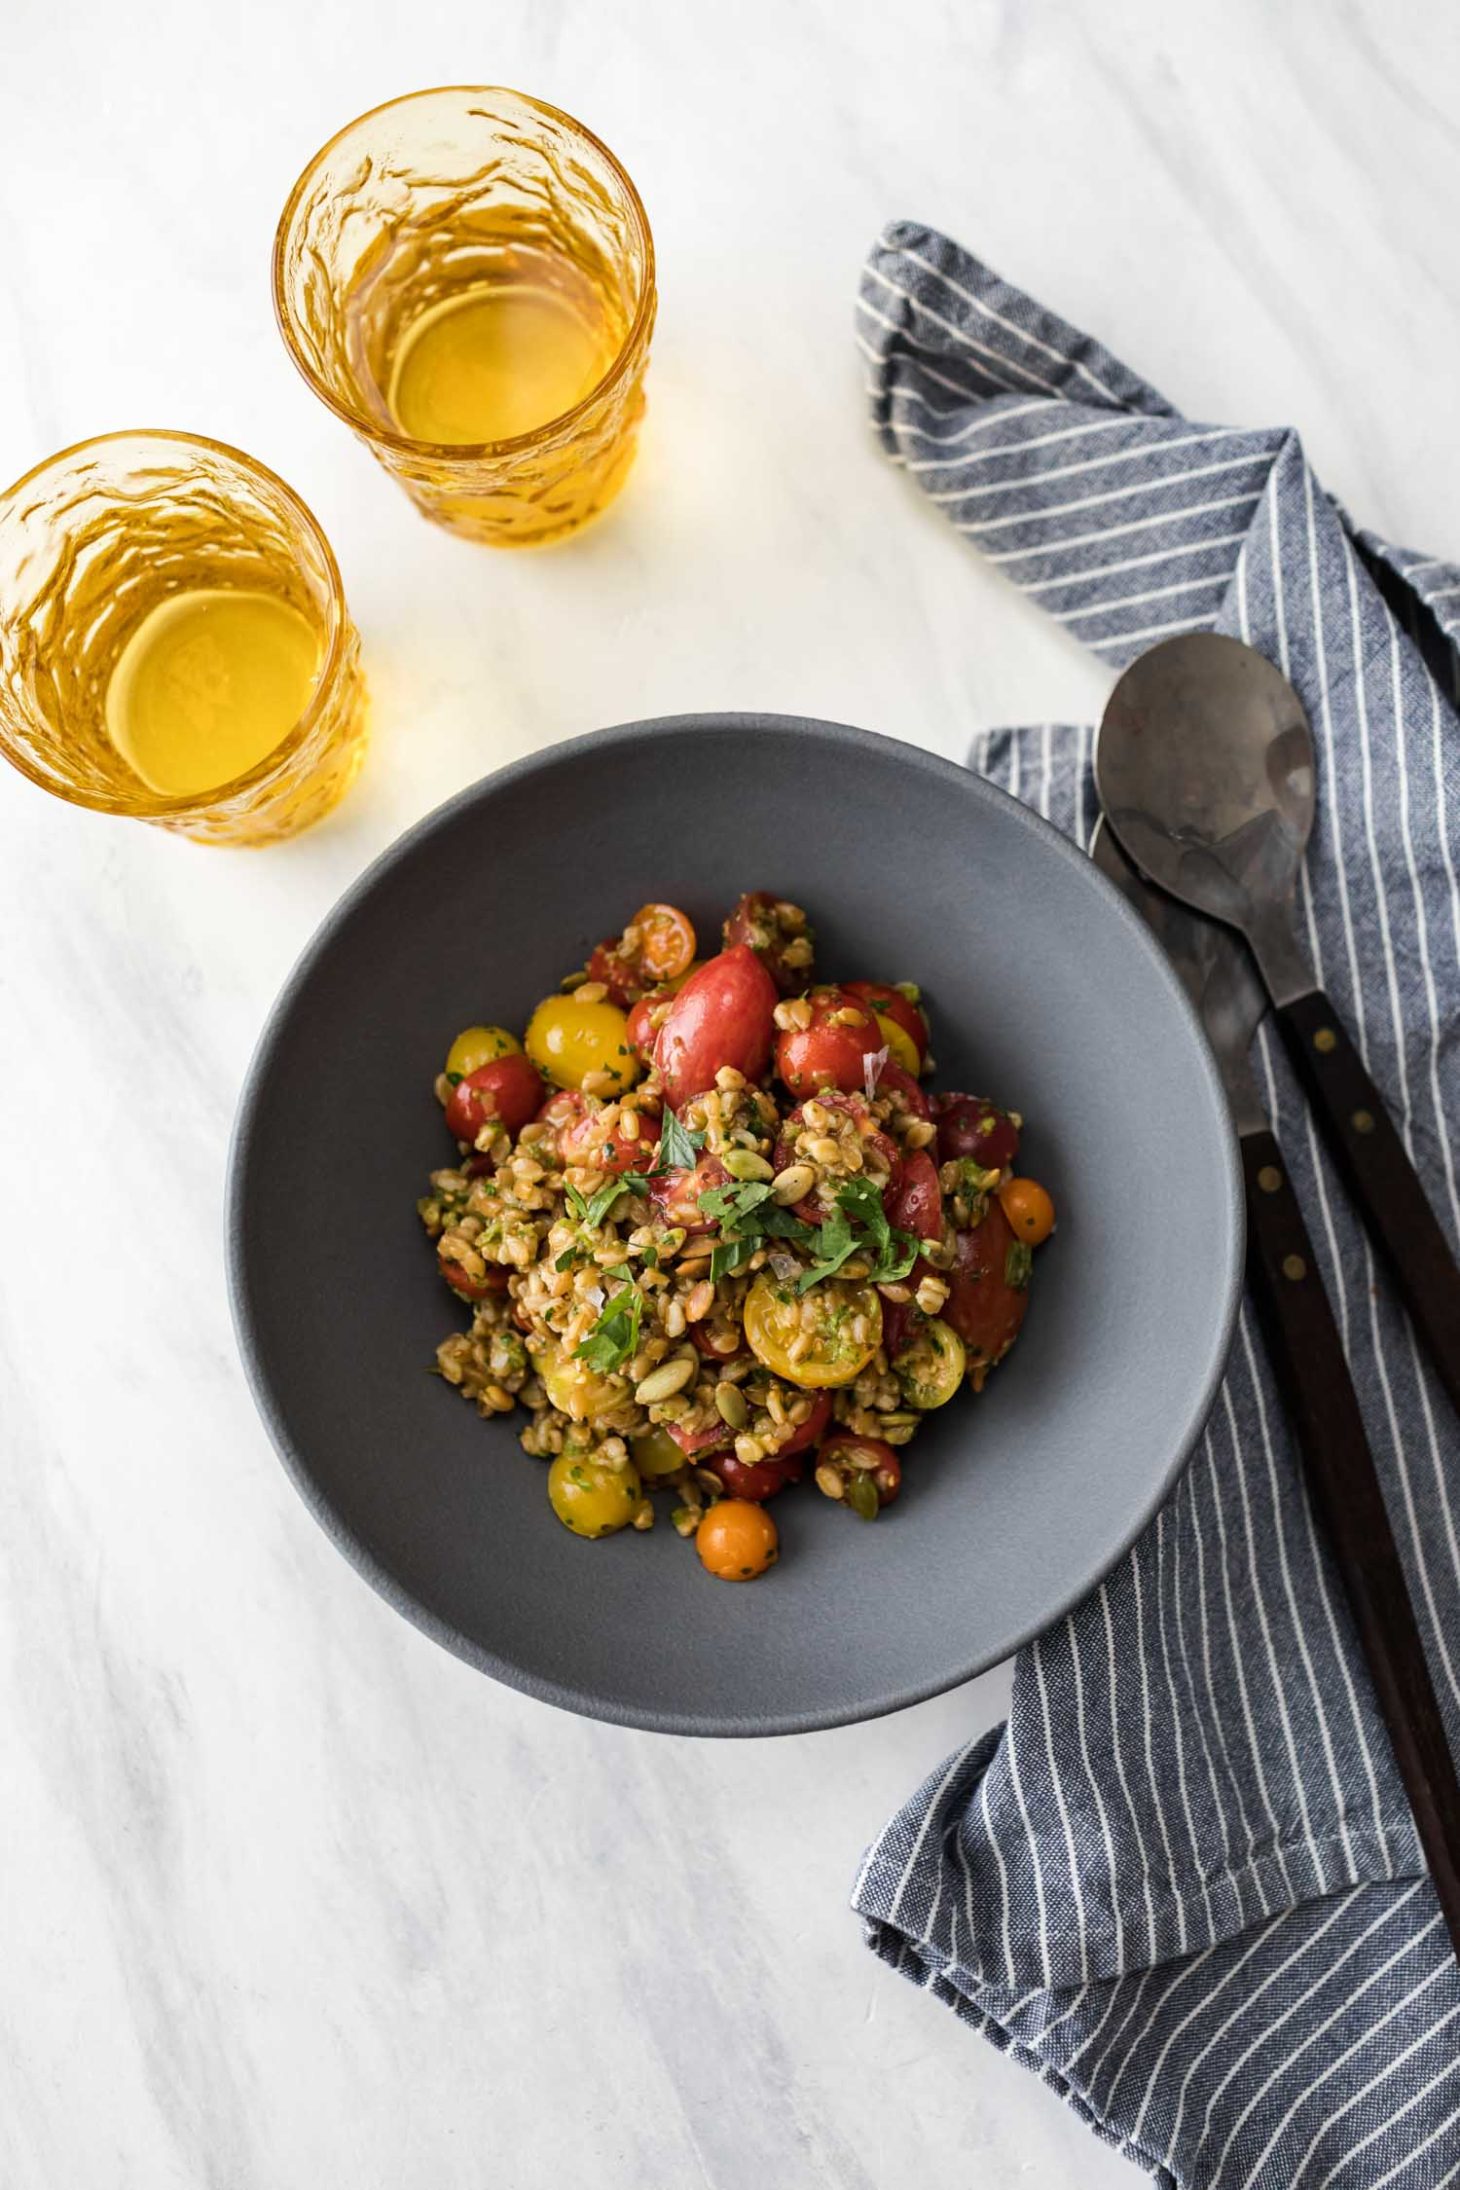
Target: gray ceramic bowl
<point x="1046" y="991"/>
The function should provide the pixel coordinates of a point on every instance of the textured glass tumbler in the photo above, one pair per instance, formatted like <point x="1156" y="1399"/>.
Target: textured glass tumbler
<point x="97" y="538"/>
<point x="434" y="199"/>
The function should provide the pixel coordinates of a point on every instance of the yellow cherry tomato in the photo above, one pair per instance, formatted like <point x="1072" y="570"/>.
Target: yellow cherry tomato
<point x="901" y="1047"/>
<point x="477" y="1046"/>
<point x="568" y="1039"/>
<point x="656" y="1455"/>
<point x="1029" y="1210"/>
<point x="590" y="1498"/>
<point x="737" y="1540"/>
<point x="930" y="1364"/>
<point x="575" y="1389"/>
<point x="831" y="1314"/>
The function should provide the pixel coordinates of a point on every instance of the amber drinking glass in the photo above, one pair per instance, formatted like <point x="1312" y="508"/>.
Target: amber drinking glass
<point x="466" y="277"/>
<point x="174" y="642"/>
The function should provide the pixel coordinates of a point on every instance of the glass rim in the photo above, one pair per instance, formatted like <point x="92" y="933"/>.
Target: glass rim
<point x="363" y="422"/>
<point x="147" y="804"/>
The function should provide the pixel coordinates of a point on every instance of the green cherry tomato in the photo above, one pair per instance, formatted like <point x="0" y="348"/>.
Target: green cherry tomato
<point x="930" y="1364"/>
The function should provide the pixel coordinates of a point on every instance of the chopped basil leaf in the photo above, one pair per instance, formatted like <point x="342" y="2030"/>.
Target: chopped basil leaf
<point x="568" y="1257"/>
<point x="456" y="1078"/>
<point x="728" y="1255"/>
<point x="678" y="1147"/>
<point x="596" y="1210"/>
<point x="614" y="1338"/>
<point x="576" y="1201"/>
<point x="1018" y="1263"/>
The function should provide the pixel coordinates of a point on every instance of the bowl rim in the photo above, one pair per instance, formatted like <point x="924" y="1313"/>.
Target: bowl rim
<point x="562" y="1694"/>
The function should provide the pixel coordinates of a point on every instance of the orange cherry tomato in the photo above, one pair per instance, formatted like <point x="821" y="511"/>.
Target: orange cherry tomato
<point x="657" y="945"/>
<point x="1029" y="1210"/>
<point x="737" y="1540"/>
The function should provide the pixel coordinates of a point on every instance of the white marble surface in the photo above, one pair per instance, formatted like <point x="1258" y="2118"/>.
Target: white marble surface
<point x="288" y="1897"/>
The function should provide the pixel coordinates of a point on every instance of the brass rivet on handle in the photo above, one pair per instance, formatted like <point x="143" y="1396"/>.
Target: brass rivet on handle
<point x="1363" y="1121"/>
<point x="1269" y="1178"/>
<point x="1325" y="1039"/>
<point x="1294" y="1267"/>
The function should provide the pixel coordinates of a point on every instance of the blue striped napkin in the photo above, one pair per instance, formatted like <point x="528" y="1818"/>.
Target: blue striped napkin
<point x="1182" y="1884"/>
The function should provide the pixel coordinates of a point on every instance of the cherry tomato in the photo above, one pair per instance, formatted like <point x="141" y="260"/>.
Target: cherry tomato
<point x="917" y="1204"/>
<point x="811" y="1431"/>
<point x="1029" y="1210"/>
<point x="870" y="1458"/>
<point x="722" y="1016"/>
<point x="908" y="1017"/>
<point x="575" y="1389"/>
<point x="988" y="1290"/>
<point x="969" y="1125"/>
<point x="568" y="1040"/>
<point x="590" y="1498"/>
<point x="582" y="1141"/>
<point x="829" y="1054"/>
<point x="737" y="1540"/>
<point x="470" y="1288"/>
<point x="656" y="1454"/>
<point x="676" y="1194"/>
<point x="716" y="1341"/>
<point x="893" y="1080"/>
<point x="881" y="1158"/>
<point x="698" y="1445"/>
<point x="657" y="945"/>
<point x="776" y="1318"/>
<point x="760" y="1479"/>
<point x="606" y="964"/>
<point x="930" y="1363"/>
<point x="477" y="1046"/>
<point x="775" y="936"/>
<point x="506" y="1089"/>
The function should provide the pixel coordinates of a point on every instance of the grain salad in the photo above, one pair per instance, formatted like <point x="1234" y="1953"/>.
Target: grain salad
<point x="718" y="1237"/>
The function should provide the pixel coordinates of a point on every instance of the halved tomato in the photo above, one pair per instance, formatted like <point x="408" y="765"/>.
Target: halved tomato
<point x="988" y="1288"/>
<point x="831" y="1051"/>
<point x="970" y="1125"/>
<point x="722" y="1016"/>
<point x="890" y="1003"/>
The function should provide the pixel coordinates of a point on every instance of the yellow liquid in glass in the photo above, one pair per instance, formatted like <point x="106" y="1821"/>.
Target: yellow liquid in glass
<point x="207" y="685"/>
<point x="502" y="359"/>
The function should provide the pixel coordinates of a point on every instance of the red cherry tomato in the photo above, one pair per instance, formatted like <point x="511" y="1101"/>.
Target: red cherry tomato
<point x="970" y="1125"/>
<point x="824" y="1055"/>
<point x="469" y="1288"/>
<point x="716" y="1343"/>
<point x="582" y="1141"/>
<point x="851" y="1455"/>
<point x="753" y="922"/>
<point x="641" y="1034"/>
<point x="897" y="1319"/>
<point x="676" y="1194"/>
<point x="607" y="964"/>
<point x="820" y="1202"/>
<point x="508" y="1089"/>
<point x="812" y="1430"/>
<point x="983" y="1306"/>
<point x="893" y="1079"/>
<point x="917" y="1204"/>
<point x="879" y="996"/>
<point x="722" y="1016"/>
<point x="696" y="1445"/>
<point x="759" y="1481"/>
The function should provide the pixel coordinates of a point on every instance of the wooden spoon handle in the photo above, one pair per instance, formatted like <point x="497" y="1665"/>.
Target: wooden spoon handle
<point x="1380" y="1178"/>
<point x="1308" y="1361"/>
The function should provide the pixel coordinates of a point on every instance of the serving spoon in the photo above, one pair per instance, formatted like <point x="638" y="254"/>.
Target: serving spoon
<point x="1308" y="1361"/>
<point x="1206" y="770"/>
